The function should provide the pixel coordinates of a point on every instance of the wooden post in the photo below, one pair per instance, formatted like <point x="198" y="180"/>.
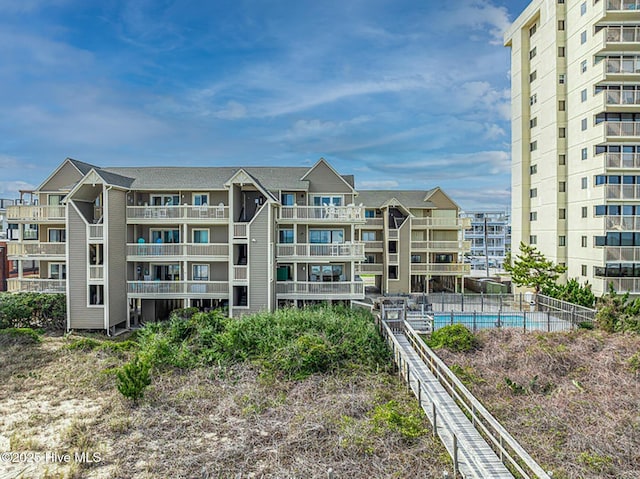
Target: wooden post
<point x="419" y="392"/>
<point x="455" y="456"/>
<point x="435" y="419"/>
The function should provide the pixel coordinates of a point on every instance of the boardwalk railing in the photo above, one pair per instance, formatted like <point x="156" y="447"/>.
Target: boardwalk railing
<point x="579" y="314"/>
<point x="508" y="449"/>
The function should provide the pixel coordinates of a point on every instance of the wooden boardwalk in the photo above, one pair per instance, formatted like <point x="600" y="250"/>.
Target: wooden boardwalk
<point x="475" y="459"/>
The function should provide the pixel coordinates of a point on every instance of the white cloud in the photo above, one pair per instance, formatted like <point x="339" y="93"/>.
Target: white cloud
<point x="9" y="189"/>
<point x="382" y="184"/>
<point x="477" y="15"/>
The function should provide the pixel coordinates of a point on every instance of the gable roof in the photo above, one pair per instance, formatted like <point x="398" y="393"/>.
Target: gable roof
<point x="83" y="169"/>
<point x="407" y="198"/>
<point x="344" y="178"/>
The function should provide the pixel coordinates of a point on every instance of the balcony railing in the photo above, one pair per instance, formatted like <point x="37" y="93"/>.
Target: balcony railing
<point x="334" y="250"/>
<point x="441" y="245"/>
<point x="373" y="245"/>
<point x="622" y="128"/>
<point x="96" y="232"/>
<point x="622" y="192"/>
<point x="36" y="213"/>
<point x="369" y="268"/>
<point x="240" y="230"/>
<point x="240" y="273"/>
<point x="33" y="285"/>
<point x="37" y="250"/>
<point x="441" y="268"/>
<point x="189" y="213"/>
<point x="622" y="223"/>
<point x="393" y="258"/>
<point x="325" y="214"/>
<point x="620" y="66"/>
<point x="177" y="249"/>
<point x="178" y="289"/>
<point x="622" y="253"/>
<point x="622" y="34"/>
<point x="623" y="160"/>
<point x="623" y="5"/>
<point x="320" y="290"/>
<point x="96" y="271"/>
<point x="443" y="223"/>
<point x="393" y="234"/>
<point x="374" y="222"/>
<point x="622" y="97"/>
<point x="622" y="285"/>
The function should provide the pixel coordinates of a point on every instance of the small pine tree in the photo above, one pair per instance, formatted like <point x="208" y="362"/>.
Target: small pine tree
<point x="531" y="268"/>
<point x="133" y="378"/>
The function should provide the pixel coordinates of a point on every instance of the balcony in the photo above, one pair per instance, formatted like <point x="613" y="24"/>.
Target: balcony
<point x="623" y="254"/>
<point x="96" y="232"/>
<point x="320" y="291"/>
<point x="441" y="223"/>
<point x="36" y="213"/>
<point x="178" y="289"/>
<point x="369" y="268"/>
<point x="618" y="68"/>
<point x="441" y="269"/>
<point x="626" y="6"/>
<point x="622" y="160"/>
<point x="622" y="285"/>
<point x="179" y="251"/>
<point x="618" y="38"/>
<point x="240" y="230"/>
<point x="240" y="273"/>
<point x="38" y="251"/>
<point x="618" y="129"/>
<point x="305" y="251"/>
<point x="96" y="272"/>
<point x="373" y="246"/>
<point x="393" y="258"/>
<point x="373" y="223"/>
<point x="622" y="223"/>
<point x="36" y="285"/>
<point x="175" y="214"/>
<point x="322" y="214"/>
<point x="441" y="246"/>
<point x="622" y="192"/>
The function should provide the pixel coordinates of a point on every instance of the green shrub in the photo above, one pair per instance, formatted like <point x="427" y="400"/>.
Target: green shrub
<point x="184" y="313"/>
<point x="308" y="354"/>
<point x="11" y="336"/>
<point x="33" y="310"/>
<point x="83" y="344"/>
<point x="409" y="422"/>
<point x="133" y="378"/>
<point x="454" y="337"/>
<point x="634" y="363"/>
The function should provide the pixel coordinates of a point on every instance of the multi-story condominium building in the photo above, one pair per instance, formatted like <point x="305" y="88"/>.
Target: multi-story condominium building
<point x="575" y="103"/>
<point x="130" y="244"/>
<point x="413" y="241"/>
<point x="489" y="237"/>
<point x="4" y="225"/>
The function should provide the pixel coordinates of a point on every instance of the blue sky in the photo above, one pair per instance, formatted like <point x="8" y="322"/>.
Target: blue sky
<point x="402" y="94"/>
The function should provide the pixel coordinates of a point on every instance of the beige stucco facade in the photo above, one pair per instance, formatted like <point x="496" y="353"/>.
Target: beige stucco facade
<point x="575" y="79"/>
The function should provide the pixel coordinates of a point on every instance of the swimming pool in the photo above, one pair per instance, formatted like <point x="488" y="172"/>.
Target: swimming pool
<point x="538" y="321"/>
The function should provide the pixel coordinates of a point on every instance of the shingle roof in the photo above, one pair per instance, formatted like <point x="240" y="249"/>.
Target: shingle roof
<point x="83" y="167"/>
<point x="407" y="198"/>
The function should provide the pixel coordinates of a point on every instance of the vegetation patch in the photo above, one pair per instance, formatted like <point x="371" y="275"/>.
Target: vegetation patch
<point x="454" y="337"/>
<point x="12" y="336"/>
<point x="33" y="310"/>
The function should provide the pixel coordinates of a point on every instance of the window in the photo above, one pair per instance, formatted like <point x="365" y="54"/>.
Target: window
<point x="533" y="216"/>
<point x="533" y="169"/>
<point x="562" y="78"/>
<point x="562" y="159"/>
<point x="583" y="241"/>
<point x="532" y="53"/>
<point x="369" y="258"/>
<point x="55" y="200"/>
<point x="533" y="122"/>
<point x="583" y="124"/>
<point x="583" y="8"/>
<point x="416" y="258"/>
<point x="285" y="235"/>
<point x="165" y="200"/>
<point x="562" y="241"/>
<point x="584" y="182"/>
<point x="533" y="99"/>
<point x="533" y="239"/>
<point x="57" y="235"/>
<point x="288" y="199"/>
<point x="560" y="25"/>
<point x="561" y="1"/>
<point x="584" y="270"/>
<point x="584" y="211"/>
<point x="560" y="51"/>
<point x="57" y="271"/>
<point x="200" y="199"/>
<point x="165" y="236"/>
<point x="533" y="146"/>
<point x="584" y="153"/>
<point x="583" y="66"/>
<point x="393" y="272"/>
<point x="583" y="95"/>
<point x="326" y="236"/>
<point x="562" y="132"/>
<point x="562" y="186"/>
<point x="369" y="213"/>
<point x="532" y="76"/>
<point x="201" y="272"/>
<point x="368" y="236"/>
<point x="561" y="105"/>
<point x="533" y="192"/>
<point x="562" y="214"/>
<point x="326" y="273"/>
<point x="96" y="294"/>
<point x="533" y="29"/>
<point x="583" y="38"/>
<point x="200" y="236"/>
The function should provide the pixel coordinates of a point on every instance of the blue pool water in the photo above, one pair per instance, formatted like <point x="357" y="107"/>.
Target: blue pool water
<point x="534" y="321"/>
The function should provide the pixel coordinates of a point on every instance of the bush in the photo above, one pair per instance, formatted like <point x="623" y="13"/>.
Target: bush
<point x="618" y="313"/>
<point x="409" y="422"/>
<point x="133" y="378"/>
<point x="454" y="337"/>
<point x="11" y="336"/>
<point x="33" y="310"/>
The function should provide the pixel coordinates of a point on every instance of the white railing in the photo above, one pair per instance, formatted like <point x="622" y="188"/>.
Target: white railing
<point x="322" y="213"/>
<point x="36" y="213"/>
<point x="622" y="128"/>
<point x="206" y="249"/>
<point x="623" y="160"/>
<point x="177" y="288"/>
<point x="240" y="230"/>
<point x="392" y="234"/>
<point x="373" y="245"/>
<point x="463" y="223"/>
<point x="37" y="285"/>
<point x="37" y="249"/>
<point x="441" y="268"/>
<point x="622" y="285"/>
<point x="393" y="258"/>
<point x="623" y="5"/>
<point x="624" y="192"/>
<point x="622" y="97"/>
<point x="441" y="245"/>
<point x="374" y="222"/>
<point x="369" y="268"/>
<point x="333" y="250"/>
<point x="240" y="273"/>
<point x="96" y="271"/>
<point x="177" y="249"/>
<point x="96" y="232"/>
<point x="623" y="223"/>
<point x="187" y="212"/>
<point x="319" y="289"/>
<point x="622" y="253"/>
<point x="622" y="34"/>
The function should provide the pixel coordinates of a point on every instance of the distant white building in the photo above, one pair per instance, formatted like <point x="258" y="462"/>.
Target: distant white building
<point x="490" y="238"/>
<point x="4" y="203"/>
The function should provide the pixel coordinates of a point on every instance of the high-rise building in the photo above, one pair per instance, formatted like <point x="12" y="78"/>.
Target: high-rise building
<point x="489" y="239"/>
<point x="128" y="244"/>
<point x="575" y="109"/>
